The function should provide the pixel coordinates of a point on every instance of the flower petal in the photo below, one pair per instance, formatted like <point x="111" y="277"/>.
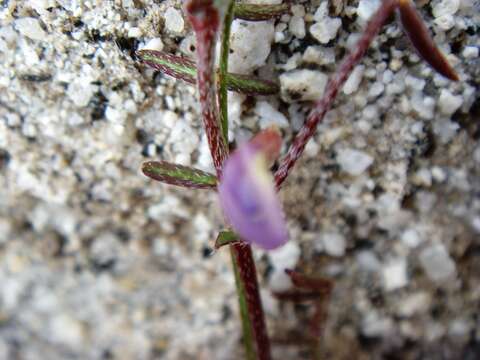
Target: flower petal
<point x="248" y="197"/>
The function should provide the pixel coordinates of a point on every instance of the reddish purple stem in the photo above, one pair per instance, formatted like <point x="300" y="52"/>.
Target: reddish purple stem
<point x="334" y="85"/>
<point x="248" y="273"/>
<point x="205" y="21"/>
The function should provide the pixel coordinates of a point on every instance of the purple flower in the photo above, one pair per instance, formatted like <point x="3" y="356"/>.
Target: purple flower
<point x="247" y="192"/>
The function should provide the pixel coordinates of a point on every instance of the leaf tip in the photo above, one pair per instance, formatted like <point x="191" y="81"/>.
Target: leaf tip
<point x="421" y="40"/>
<point x="147" y="168"/>
<point x="225" y="237"/>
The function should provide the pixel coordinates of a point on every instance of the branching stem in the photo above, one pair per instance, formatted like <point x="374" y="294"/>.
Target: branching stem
<point x="331" y="90"/>
<point x="205" y="20"/>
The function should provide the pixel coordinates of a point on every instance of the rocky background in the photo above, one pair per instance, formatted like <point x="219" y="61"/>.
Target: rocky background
<point x="98" y="262"/>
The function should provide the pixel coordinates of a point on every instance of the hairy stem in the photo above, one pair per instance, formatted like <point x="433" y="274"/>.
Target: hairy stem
<point x="247" y="328"/>
<point x="205" y="20"/>
<point x="256" y="341"/>
<point x="333" y="86"/>
<point x="242" y="254"/>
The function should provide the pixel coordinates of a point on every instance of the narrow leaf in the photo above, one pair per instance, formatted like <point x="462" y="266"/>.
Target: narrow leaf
<point x="250" y="85"/>
<point x="175" y="66"/>
<point x="258" y="12"/>
<point x="226" y="237"/>
<point x="421" y="40"/>
<point x="185" y="69"/>
<point x="179" y="175"/>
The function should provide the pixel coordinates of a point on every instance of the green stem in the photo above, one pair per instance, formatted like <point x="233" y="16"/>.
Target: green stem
<point x="255" y="337"/>
<point x="222" y="91"/>
<point x="250" y="353"/>
<point x="204" y="18"/>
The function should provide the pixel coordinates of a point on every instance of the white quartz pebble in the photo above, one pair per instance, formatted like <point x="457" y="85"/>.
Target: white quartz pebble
<point x="174" y="21"/>
<point x="394" y="274"/>
<point x="30" y="27"/>
<point x="354" y="162"/>
<point x="354" y="80"/>
<point x="437" y="263"/>
<point x="449" y="103"/>
<point x="250" y="45"/>
<point x="325" y="28"/>
<point x="269" y="115"/>
<point x="302" y="85"/>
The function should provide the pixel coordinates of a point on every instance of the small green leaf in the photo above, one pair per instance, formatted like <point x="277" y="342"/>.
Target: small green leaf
<point x="259" y="12"/>
<point x="179" y="175"/>
<point x="250" y="85"/>
<point x="226" y="237"/>
<point x="184" y="69"/>
<point x="176" y="66"/>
